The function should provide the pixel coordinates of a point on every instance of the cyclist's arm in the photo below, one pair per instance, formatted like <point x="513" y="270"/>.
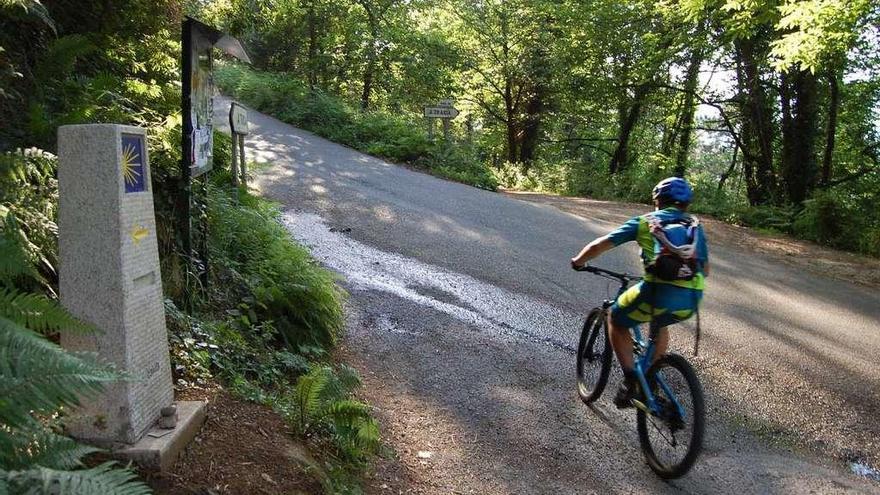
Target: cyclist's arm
<point x="706" y="268"/>
<point x="625" y="233"/>
<point x="592" y="250"/>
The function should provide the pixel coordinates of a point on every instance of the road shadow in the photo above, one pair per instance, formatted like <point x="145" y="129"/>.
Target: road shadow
<point x="761" y="320"/>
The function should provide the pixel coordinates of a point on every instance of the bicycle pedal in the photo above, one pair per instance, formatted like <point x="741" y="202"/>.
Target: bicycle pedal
<point x="640" y="406"/>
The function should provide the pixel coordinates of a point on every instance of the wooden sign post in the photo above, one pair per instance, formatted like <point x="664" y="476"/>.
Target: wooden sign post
<point x="238" y="124"/>
<point x="443" y="110"/>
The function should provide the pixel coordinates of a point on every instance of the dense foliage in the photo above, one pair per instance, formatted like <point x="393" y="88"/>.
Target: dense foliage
<point x="770" y="107"/>
<point x="268" y="313"/>
<point x="267" y="322"/>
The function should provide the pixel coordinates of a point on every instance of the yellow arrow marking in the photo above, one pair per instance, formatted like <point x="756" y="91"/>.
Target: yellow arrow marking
<point x="139" y="233"/>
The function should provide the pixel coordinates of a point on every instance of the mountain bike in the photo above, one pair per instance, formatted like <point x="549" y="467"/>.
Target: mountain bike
<point x="670" y="409"/>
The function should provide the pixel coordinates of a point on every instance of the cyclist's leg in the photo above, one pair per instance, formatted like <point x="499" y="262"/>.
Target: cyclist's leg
<point x="621" y="342"/>
<point x="661" y="343"/>
<point x="625" y="314"/>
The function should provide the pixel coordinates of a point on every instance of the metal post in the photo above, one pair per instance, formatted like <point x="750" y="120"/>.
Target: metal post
<point x="430" y="128"/>
<point x="203" y="230"/>
<point x="234" y="161"/>
<point x="241" y="159"/>
<point x="469" y="126"/>
<point x="184" y="197"/>
<point x="446" y="129"/>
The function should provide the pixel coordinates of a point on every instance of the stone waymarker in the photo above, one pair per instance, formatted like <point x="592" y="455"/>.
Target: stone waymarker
<point x="109" y="276"/>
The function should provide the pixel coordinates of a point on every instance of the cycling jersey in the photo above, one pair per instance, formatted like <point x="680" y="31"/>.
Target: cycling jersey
<point x="638" y="229"/>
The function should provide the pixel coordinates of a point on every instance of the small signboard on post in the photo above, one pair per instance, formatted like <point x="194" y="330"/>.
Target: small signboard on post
<point x="238" y="119"/>
<point x="445" y="111"/>
<point x="441" y="112"/>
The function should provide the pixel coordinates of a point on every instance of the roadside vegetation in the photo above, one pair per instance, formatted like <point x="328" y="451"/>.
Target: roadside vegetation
<point x="769" y="107"/>
<point x="263" y="326"/>
<point x="597" y="98"/>
<point x="396" y="137"/>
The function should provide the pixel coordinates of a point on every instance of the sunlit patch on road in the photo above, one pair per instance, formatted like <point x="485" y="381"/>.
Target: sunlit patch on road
<point x="477" y="303"/>
<point x="864" y="470"/>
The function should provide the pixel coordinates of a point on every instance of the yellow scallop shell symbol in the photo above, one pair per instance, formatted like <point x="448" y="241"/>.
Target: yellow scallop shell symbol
<point x="130" y="158"/>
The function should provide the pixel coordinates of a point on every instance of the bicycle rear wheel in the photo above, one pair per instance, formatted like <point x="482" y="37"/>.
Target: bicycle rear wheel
<point x="593" y="357"/>
<point x="671" y="442"/>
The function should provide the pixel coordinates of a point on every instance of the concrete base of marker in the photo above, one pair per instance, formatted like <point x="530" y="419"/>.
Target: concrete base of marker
<point x="159" y="448"/>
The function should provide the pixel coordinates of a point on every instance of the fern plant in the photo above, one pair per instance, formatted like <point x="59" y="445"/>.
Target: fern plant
<point x="39" y="379"/>
<point x="321" y="402"/>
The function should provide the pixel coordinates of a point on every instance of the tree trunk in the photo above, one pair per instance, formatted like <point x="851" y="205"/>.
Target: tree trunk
<point x="531" y="127"/>
<point x="687" y="111"/>
<point x="800" y="166"/>
<point x="620" y="158"/>
<point x="509" y="112"/>
<point x="312" y="21"/>
<point x="831" y="127"/>
<point x="368" y="83"/>
<point x="670" y="135"/>
<point x="729" y="170"/>
<point x="787" y="128"/>
<point x="757" y="125"/>
<point x="372" y="55"/>
<point x="509" y="103"/>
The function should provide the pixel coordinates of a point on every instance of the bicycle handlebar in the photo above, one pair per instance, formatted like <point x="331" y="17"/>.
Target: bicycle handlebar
<point x="623" y="277"/>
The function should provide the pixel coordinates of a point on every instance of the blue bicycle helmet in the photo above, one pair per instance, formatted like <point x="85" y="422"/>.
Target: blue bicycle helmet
<point x="673" y="190"/>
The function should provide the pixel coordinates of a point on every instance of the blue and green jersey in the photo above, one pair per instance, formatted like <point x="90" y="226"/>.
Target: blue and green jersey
<point x="637" y="229"/>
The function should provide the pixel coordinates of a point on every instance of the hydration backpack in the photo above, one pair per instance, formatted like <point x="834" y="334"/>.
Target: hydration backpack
<point x="674" y="261"/>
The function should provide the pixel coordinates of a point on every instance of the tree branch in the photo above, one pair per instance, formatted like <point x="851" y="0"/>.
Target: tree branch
<point x="724" y="117"/>
<point x="864" y="169"/>
<point x="488" y="108"/>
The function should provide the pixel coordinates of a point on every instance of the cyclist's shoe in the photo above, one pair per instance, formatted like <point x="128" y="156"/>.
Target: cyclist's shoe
<point x="625" y="394"/>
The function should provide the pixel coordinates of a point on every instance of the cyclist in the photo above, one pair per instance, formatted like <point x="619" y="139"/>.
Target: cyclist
<point x="660" y="296"/>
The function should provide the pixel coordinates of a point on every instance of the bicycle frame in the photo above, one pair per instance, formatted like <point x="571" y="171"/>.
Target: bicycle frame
<point x="643" y="350"/>
<point x="641" y="365"/>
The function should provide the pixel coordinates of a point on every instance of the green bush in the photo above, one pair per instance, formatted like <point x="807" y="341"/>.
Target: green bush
<point x="253" y="258"/>
<point x="827" y="220"/>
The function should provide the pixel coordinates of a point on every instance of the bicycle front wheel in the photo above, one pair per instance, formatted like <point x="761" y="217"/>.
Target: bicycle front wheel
<point x="593" y="357"/>
<point x="672" y="437"/>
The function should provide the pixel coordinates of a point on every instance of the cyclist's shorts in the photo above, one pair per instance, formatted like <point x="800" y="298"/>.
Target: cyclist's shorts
<point x="670" y="304"/>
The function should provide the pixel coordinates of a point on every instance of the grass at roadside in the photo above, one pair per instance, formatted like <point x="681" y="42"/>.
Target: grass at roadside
<point x="394" y="137"/>
<point x="264" y="329"/>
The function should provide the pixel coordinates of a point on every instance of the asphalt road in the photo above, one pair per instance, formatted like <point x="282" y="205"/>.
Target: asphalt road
<point x="464" y="315"/>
